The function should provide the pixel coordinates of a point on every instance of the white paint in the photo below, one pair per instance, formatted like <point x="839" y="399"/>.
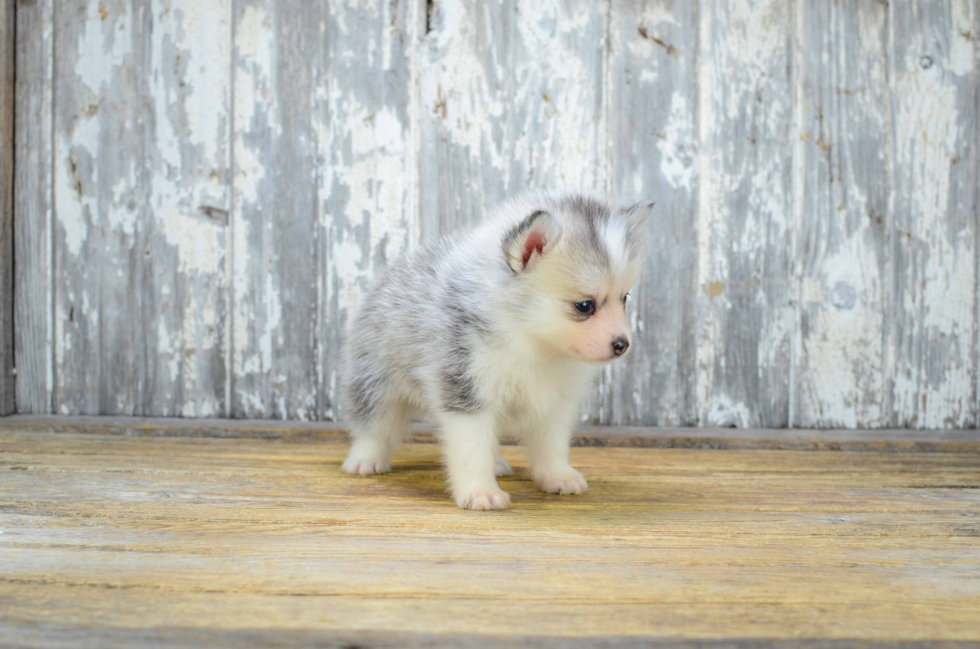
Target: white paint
<point x="254" y="98"/>
<point x="68" y="205"/>
<point x="741" y="58"/>
<point x="941" y="284"/>
<point x="963" y="49"/>
<point x="103" y="46"/>
<point x="724" y="412"/>
<point x="677" y="160"/>
<point x="455" y="90"/>
<point x="517" y="113"/>
<point x="556" y="118"/>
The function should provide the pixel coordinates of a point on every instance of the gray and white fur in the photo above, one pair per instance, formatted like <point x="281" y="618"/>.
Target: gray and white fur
<point x="500" y="329"/>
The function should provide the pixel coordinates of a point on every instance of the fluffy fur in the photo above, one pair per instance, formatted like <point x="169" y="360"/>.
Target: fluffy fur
<point x="482" y="331"/>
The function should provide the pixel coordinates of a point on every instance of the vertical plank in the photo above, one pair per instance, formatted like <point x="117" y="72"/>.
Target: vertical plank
<point x="33" y="278"/>
<point x="183" y="240"/>
<point x="745" y="115"/>
<point x="8" y="21"/>
<point x="843" y="146"/>
<point x="512" y="97"/>
<point x="277" y="69"/>
<point x="556" y="110"/>
<point x="464" y="107"/>
<point x="935" y="75"/>
<point x="653" y="142"/>
<point x="99" y="205"/>
<point x="367" y="143"/>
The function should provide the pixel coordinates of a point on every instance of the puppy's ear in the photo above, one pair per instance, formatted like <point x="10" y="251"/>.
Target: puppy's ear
<point x="529" y="240"/>
<point x="637" y="215"/>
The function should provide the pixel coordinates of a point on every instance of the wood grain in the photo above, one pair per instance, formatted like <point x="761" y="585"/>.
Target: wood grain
<point x="842" y="191"/>
<point x="99" y="206"/>
<point x="183" y="234"/>
<point x="121" y="534"/>
<point x="464" y="104"/>
<point x="275" y="237"/>
<point x="746" y="312"/>
<point x="8" y="22"/>
<point x="33" y="207"/>
<point x="205" y="190"/>
<point x="511" y="98"/>
<point x="935" y="64"/>
<point x="654" y="149"/>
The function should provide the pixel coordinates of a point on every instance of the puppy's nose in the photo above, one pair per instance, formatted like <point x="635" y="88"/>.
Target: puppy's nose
<point x="620" y="345"/>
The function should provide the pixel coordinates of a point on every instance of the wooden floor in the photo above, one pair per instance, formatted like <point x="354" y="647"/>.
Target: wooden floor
<point x="141" y="540"/>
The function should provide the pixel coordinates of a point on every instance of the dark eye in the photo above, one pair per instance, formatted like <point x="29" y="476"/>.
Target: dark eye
<point x="585" y="307"/>
<point x="624" y="298"/>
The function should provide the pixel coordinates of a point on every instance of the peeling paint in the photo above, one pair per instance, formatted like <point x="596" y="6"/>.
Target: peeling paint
<point x="231" y="175"/>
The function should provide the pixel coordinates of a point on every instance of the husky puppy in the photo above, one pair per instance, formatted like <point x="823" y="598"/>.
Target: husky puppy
<point x="497" y="330"/>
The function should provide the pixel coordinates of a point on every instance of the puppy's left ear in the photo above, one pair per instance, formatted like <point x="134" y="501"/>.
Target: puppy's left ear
<point x="531" y="239"/>
<point x="637" y="215"/>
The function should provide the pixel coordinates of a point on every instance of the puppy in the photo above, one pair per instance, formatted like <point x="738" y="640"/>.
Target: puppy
<point x="499" y="329"/>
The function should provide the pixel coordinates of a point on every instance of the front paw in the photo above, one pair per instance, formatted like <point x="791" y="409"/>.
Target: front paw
<point x="483" y="500"/>
<point x="565" y="481"/>
<point x="365" y="465"/>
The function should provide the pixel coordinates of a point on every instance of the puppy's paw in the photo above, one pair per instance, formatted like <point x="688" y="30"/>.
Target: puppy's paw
<point x="567" y="481"/>
<point x="483" y="500"/>
<point x="365" y="465"/>
<point x="502" y="469"/>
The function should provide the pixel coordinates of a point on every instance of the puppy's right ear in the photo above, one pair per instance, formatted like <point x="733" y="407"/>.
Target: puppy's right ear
<point x="531" y="239"/>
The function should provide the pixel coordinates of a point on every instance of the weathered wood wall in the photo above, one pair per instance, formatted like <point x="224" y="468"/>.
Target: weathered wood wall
<point x="204" y="189"/>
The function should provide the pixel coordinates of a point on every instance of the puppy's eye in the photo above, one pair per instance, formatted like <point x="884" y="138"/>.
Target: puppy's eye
<point x="585" y="307"/>
<point x="624" y="298"/>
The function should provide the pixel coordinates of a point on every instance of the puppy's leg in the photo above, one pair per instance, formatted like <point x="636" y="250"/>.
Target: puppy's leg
<point x="374" y="443"/>
<point x="502" y="468"/>
<point x="469" y="443"/>
<point x="547" y="453"/>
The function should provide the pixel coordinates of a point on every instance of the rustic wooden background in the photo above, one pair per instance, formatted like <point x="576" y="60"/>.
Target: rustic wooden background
<point x="205" y="187"/>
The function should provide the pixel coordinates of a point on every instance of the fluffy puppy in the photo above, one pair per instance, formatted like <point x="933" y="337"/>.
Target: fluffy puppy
<point x="499" y="329"/>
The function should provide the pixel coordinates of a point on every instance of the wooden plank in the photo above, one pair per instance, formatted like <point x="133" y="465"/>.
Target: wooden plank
<point x="511" y="98"/>
<point x="183" y="238"/>
<point x="63" y="634"/>
<point x="843" y="193"/>
<point x="33" y="195"/>
<point x="654" y="150"/>
<point x="464" y="101"/>
<point x="791" y="439"/>
<point x="367" y="127"/>
<point x="686" y="544"/>
<point x="277" y="75"/>
<point x="558" y="102"/>
<point x="8" y="22"/>
<point x="745" y="117"/>
<point x="99" y="193"/>
<point x="936" y="75"/>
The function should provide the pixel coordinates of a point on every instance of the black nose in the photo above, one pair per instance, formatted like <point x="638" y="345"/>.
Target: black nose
<point x="620" y="345"/>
